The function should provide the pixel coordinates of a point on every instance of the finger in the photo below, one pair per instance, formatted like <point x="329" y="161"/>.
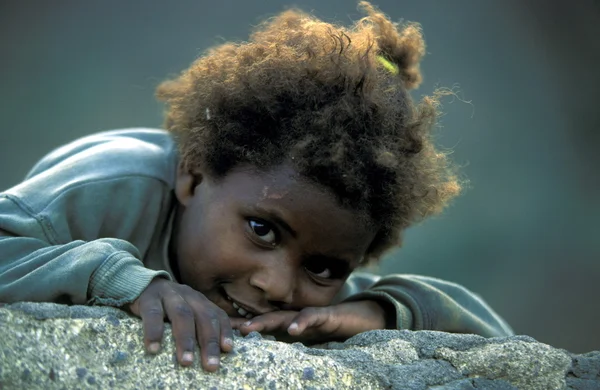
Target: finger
<point x="269" y="322"/>
<point x="153" y="321"/>
<point x="226" y="333"/>
<point x="182" y="320"/>
<point x="208" y="331"/>
<point x="237" y="322"/>
<point x="310" y="317"/>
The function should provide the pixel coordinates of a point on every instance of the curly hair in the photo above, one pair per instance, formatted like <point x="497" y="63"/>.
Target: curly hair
<point x="331" y="101"/>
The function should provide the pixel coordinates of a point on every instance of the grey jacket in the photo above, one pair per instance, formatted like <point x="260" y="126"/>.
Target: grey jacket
<point x="92" y="221"/>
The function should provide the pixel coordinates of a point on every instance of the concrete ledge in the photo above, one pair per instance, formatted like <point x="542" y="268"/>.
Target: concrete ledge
<point x="50" y="346"/>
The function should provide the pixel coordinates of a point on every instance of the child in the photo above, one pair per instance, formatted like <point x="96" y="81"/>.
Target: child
<point x="287" y="163"/>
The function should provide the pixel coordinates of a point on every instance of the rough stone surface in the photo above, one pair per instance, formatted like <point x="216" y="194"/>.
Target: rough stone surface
<point x="49" y="346"/>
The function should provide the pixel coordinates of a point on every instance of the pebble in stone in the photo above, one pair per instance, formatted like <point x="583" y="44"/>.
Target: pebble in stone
<point x="114" y="321"/>
<point x="98" y="327"/>
<point x="119" y="357"/>
<point x="26" y="374"/>
<point x="81" y="372"/>
<point x="254" y="335"/>
<point x="308" y="373"/>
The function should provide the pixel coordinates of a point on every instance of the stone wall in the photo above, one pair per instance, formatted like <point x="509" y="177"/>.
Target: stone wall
<point x="49" y="346"/>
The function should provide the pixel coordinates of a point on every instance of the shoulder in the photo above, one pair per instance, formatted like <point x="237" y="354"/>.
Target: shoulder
<point x="139" y="158"/>
<point x="136" y="151"/>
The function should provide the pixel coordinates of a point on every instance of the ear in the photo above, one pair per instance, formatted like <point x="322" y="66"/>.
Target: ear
<point x="185" y="184"/>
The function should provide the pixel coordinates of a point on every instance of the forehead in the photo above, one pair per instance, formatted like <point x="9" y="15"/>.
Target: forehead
<point x="310" y="209"/>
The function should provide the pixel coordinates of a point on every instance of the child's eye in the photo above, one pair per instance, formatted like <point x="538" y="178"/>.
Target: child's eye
<point x="263" y="230"/>
<point x="324" y="268"/>
<point x="319" y="271"/>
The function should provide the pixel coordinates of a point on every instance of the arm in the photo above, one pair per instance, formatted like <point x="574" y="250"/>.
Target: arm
<point x="47" y="256"/>
<point x="425" y="303"/>
<point x="76" y="229"/>
<point x="368" y="302"/>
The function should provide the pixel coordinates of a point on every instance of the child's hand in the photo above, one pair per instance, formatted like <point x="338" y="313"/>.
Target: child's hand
<point x="194" y="319"/>
<point x="318" y="324"/>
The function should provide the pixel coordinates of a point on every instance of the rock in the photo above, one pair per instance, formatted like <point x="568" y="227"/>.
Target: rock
<point x="50" y="346"/>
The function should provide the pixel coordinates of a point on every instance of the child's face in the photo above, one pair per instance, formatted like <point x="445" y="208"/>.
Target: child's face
<point x="265" y="240"/>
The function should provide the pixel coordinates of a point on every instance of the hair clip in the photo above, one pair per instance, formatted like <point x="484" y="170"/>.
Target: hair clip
<point x="387" y="64"/>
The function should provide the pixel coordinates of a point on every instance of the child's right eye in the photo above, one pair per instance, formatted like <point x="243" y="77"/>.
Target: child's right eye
<point x="263" y="231"/>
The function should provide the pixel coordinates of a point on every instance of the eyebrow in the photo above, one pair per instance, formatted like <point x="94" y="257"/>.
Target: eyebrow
<point x="276" y="216"/>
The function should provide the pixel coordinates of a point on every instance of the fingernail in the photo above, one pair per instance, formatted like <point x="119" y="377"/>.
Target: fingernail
<point x="213" y="361"/>
<point x="247" y="323"/>
<point x="153" y="347"/>
<point x="188" y="357"/>
<point x="228" y="341"/>
<point x="293" y="326"/>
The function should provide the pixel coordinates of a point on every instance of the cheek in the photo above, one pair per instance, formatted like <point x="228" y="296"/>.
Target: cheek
<point x="211" y="250"/>
<point x="204" y="234"/>
<point x="312" y="295"/>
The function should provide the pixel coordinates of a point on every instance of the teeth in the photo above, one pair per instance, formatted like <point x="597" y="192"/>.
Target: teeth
<point x="241" y="311"/>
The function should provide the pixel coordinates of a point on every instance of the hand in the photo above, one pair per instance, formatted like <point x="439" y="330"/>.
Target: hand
<point x="193" y="317"/>
<point x="318" y="324"/>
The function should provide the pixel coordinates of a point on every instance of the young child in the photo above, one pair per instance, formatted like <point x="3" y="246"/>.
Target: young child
<point x="287" y="163"/>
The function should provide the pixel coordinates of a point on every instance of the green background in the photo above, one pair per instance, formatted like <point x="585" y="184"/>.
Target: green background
<point x="525" y="236"/>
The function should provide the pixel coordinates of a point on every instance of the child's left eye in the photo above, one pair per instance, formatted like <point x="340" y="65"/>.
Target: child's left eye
<point x="326" y="269"/>
<point x="263" y="230"/>
<point x="321" y="272"/>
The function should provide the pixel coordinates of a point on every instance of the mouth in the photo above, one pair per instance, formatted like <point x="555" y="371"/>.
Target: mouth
<point x="241" y="309"/>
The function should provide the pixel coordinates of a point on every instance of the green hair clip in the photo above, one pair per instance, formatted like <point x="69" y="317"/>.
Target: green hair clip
<point x="390" y="66"/>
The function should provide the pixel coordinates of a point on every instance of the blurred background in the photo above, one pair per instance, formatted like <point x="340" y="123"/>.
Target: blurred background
<point x="525" y="235"/>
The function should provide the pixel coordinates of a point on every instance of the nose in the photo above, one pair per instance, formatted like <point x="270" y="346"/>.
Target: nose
<point x="277" y="280"/>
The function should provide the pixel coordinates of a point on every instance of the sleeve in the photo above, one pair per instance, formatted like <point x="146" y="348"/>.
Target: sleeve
<point x="425" y="303"/>
<point x="57" y="245"/>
